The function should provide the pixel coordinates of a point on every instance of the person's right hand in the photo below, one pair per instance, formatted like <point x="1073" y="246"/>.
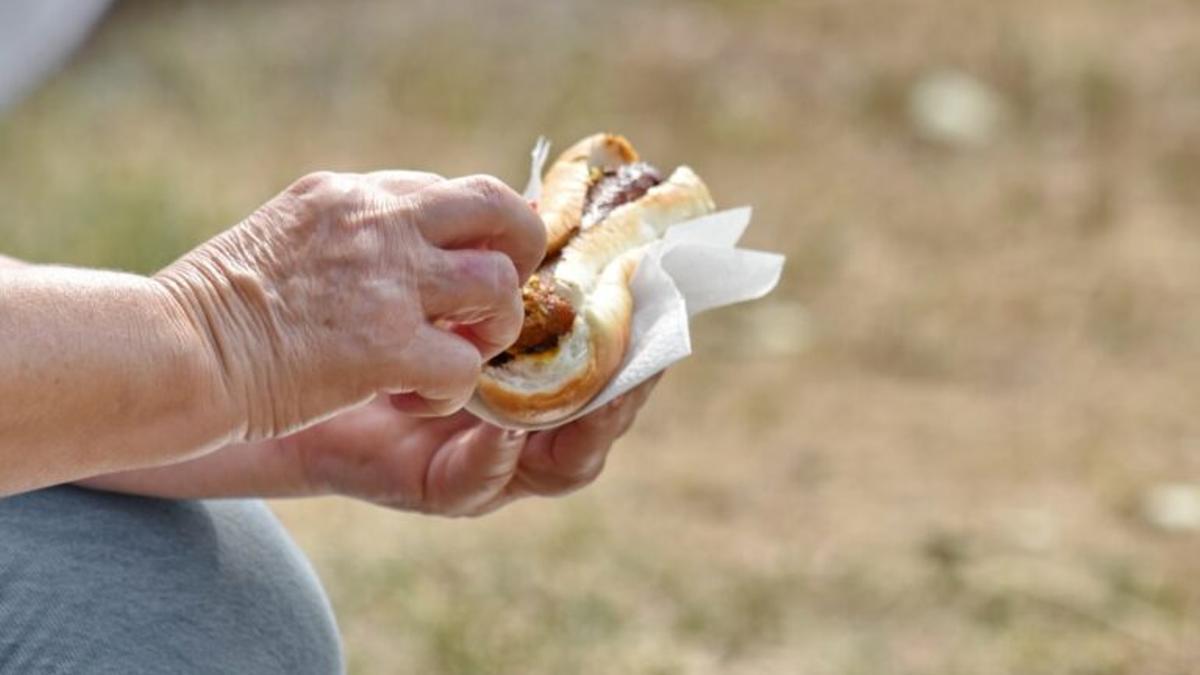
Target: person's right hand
<point x="349" y="285"/>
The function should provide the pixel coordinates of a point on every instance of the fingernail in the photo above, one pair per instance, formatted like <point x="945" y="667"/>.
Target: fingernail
<point x="515" y="435"/>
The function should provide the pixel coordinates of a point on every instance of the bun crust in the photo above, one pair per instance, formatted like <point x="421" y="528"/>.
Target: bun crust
<point x="595" y="270"/>
<point x="537" y="389"/>
<point x="566" y="184"/>
<point x="681" y="197"/>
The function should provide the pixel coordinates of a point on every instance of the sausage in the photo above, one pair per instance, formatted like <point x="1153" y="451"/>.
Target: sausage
<point x="599" y="219"/>
<point x="616" y="187"/>
<point x="547" y="314"/>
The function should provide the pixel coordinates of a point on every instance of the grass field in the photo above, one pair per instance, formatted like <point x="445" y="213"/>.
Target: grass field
<point x="925" y="453"/>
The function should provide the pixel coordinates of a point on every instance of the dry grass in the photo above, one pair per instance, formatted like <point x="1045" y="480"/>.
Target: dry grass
<point x="999" y="351"/>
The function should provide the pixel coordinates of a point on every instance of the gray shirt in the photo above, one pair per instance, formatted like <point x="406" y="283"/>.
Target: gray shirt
<point x="100" y="583"/>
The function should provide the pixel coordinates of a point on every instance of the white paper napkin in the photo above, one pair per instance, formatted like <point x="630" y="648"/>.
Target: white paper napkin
<point x="694" y="268"/>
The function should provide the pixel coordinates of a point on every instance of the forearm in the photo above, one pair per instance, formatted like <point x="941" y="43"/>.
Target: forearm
<point x="7" y="262"/>
<point x="99" y="372"/>
<point x="264" y="469"/>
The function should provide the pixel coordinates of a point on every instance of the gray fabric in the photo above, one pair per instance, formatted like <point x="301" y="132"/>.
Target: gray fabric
<point x="99" y="583"/>
<point x="37" y="36"/>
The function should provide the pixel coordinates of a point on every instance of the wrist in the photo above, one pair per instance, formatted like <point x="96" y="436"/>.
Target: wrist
<point x="293" y="454"/>
<point x="226" y="306"/>
<point x="265" y="470"/>
<point x="193" y="308"/>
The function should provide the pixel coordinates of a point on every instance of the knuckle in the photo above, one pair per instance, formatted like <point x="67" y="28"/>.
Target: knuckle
<point x="491" y="189"/>
<point x="427" y="177"/>
<point x="311" y="183"/>
<point x="404" y="181"/>
<point x="337" y="195"/>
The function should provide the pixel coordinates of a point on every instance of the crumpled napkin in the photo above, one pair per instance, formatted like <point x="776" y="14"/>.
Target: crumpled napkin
<point x="694" y="268"/>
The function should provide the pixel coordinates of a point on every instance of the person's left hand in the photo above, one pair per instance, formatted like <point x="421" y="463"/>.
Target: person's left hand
<point x="457" y="465"/>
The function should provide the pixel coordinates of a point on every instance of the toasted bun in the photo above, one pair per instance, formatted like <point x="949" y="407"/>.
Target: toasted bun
<point x="681" y="197"/>
<point x="595" y="269"/>
<point x="565" y="187"/>
<point x="538" y="388"/>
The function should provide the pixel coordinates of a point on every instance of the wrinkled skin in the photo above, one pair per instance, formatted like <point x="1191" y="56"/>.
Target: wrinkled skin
<point x="349" y="285"/>
<point x="451" y="466"/>
<point x="353" y="289"/>
<point x="457" y="465"/>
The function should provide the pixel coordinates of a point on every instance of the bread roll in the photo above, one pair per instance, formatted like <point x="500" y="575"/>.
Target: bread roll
<point x="591" y="268"/>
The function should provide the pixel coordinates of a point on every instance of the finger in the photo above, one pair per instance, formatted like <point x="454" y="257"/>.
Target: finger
<point x="579" y="450"/>
<point x="399" y="183"/>
<point x="547" y="470"/>
<point x="440" y="426"/>
<point x="437" y="373"/>
<point x="475" y="294"/>
<point x="615" y="418"/>
<point x="312" y="194"/>
<point x="563" y="460"/>
<point x="635" y="401"/>
<point x="498" y="502"/>
<point x="481" y="212"/>
<point x="473" y="468"/>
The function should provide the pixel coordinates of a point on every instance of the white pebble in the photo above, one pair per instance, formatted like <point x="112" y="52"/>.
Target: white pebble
<point x="1173" y="507"/>
<point x="954" y="108"/>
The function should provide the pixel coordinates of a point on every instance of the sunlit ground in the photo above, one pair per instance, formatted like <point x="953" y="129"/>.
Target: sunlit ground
<point x="937" y="466"/>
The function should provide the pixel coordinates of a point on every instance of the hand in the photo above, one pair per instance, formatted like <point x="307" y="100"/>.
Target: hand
<point x="346" y="286"/>
<point x="458" y="465"/>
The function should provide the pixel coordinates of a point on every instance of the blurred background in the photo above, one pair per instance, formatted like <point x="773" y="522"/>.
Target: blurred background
<point x="962" y="437"/>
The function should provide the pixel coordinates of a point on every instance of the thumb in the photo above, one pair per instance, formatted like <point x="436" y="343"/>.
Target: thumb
<point x="473" y="467"/>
